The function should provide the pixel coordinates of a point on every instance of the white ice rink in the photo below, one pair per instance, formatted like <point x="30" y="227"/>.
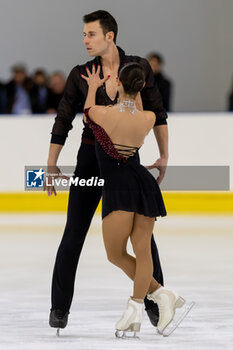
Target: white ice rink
<point x="197" y="259"/>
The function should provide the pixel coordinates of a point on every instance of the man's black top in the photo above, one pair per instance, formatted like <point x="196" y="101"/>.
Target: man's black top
<point x="76" y="92"/>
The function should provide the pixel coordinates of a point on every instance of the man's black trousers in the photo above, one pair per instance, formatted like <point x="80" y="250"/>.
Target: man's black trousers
<point x="82" y="204"/>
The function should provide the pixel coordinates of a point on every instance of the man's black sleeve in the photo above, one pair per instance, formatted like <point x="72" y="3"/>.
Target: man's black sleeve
<point x="151" y="98"/>
<point x="70" y="104"/>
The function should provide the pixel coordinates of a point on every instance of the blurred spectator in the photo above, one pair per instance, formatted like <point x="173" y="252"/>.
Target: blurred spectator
<point x="39" y="92"/>
<point x="56" y="88"/>
<point x="164" y="85"/>
<point x="17" y="91"/>
<point x="230" y="100"/>
<point x="2" y="99"/>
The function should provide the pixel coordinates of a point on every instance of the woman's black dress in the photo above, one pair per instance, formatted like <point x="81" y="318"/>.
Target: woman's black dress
<point x="128" y="185"/>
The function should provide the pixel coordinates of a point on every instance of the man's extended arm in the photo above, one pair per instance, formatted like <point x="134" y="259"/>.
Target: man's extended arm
<point x="54" y="151"/>
<point x="71" y="103"/>
<point x="67" y="110"/>
<point x="161" y="134"/>
<point x="152" y="101"/>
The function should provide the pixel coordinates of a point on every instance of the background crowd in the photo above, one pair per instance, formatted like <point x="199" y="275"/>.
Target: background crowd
<point x="36" y="94"/>
<point x="40" y="93"/>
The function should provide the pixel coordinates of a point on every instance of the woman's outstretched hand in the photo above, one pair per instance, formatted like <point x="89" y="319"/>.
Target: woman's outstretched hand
<point x="93" y="79"/>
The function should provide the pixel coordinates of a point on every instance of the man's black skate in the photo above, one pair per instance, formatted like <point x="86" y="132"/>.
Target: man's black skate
<point x="58" y="318"/>
<point x="153" y="314"/>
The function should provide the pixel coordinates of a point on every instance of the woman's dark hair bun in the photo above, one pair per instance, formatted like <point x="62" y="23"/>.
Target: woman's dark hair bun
<point x="132" y="77"/>
<point x="137" y="84"/>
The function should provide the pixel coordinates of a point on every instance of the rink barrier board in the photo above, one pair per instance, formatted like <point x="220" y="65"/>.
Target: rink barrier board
<point x="175" y="202"/>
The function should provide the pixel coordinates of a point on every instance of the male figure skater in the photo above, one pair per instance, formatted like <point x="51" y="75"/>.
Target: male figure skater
<point x="100" y="32"/>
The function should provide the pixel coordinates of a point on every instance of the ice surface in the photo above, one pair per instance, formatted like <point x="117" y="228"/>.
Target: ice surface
<point x="197" y="260"/>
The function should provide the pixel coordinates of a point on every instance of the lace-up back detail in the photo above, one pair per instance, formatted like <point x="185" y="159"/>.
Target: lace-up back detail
<point x="127" y="151"/>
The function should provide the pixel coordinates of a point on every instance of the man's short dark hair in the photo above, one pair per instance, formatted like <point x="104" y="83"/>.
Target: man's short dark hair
<point x="107" y="21"/>
<point x="156" y="56"/>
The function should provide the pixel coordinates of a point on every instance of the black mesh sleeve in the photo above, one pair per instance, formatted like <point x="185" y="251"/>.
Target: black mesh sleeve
<point x="70" y="104"/>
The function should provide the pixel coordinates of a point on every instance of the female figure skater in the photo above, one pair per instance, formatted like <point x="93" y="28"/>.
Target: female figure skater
<point x="131" y="196"/>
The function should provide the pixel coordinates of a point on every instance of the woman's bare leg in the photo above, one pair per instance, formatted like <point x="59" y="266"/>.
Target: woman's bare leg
<point x="117" y="227"/>
<point x="141" y="242"/>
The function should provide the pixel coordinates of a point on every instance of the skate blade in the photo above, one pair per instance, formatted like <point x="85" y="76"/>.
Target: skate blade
<point x="171" y="327"/>
<point x="58" y="332"/>
<point x="126" y="335"/>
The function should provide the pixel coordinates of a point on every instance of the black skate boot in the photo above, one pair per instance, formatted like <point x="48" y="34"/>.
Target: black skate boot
<point x="152" y="312"/>
<point x="58" y="319"/>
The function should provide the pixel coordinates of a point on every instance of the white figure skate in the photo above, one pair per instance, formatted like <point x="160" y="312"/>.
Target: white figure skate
<point x="130" y="321"/>
<point x="168" y="301"/>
